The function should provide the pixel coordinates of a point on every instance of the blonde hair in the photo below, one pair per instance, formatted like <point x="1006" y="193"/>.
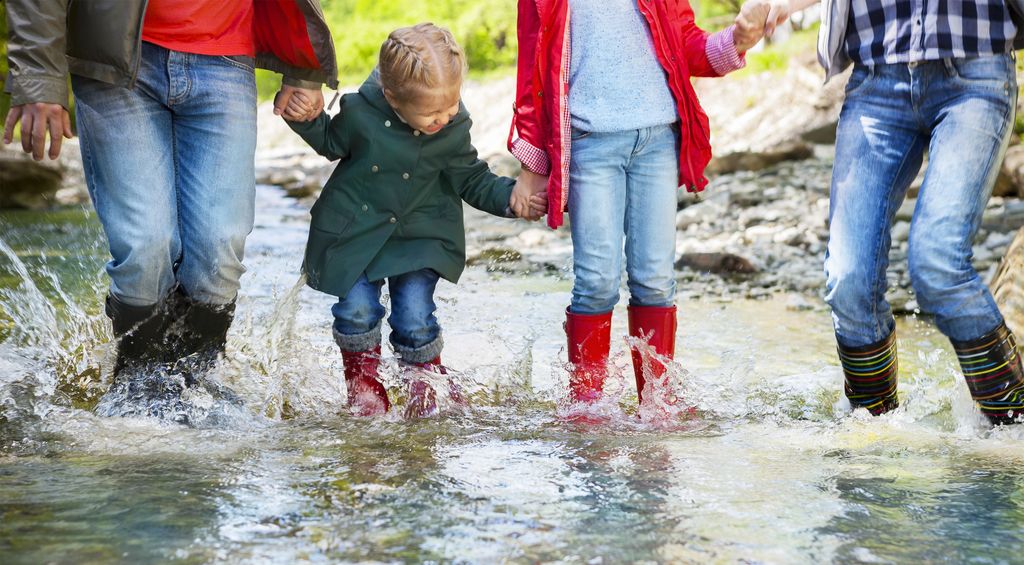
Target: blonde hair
<point x="420" y="60"/>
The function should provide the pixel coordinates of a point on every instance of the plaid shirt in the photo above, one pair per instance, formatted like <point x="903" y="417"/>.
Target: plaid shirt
<point x="904" y="31"/>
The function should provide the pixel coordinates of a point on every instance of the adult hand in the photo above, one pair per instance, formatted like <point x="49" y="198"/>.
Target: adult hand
<point x="308" y="106"/>
<point x="750" y="24"/>
<point x="778" y="13"/>
<point x="36" y="120"/>
<point x="768" y="14"/>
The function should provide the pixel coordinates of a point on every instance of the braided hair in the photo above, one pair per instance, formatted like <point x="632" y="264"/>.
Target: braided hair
<point x="421" y="59"/>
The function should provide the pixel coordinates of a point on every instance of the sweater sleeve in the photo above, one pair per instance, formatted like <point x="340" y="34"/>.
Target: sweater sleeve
<point x="326" y="135"/>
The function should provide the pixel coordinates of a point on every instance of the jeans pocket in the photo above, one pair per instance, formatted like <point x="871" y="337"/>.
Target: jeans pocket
<point x="578" y="134"/>
<point x="990" y="72"/>
<point x="860" y="79"/>
<point x="241" y="62"/>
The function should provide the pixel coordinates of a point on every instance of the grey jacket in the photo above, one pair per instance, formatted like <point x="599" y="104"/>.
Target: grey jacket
<point x="832" y="35"/>
<point x="101" y="40"/>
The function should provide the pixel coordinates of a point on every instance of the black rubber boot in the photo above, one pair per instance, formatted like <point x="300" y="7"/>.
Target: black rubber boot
<point x="992" y="368"/>
<point x="141" y="333"/>
<point x="198" y="335"/>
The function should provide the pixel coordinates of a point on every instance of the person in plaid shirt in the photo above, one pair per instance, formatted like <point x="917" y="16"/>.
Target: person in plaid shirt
<point x="933" y="76"/>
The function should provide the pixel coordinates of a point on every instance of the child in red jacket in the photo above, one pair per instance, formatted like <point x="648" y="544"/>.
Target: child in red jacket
<point x="604" y="105"/>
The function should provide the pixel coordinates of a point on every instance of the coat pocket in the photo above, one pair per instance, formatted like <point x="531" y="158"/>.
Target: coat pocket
<point x="326" y="237"/>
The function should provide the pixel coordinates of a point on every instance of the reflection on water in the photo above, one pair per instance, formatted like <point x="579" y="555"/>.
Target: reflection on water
<point x="768" y="466"/>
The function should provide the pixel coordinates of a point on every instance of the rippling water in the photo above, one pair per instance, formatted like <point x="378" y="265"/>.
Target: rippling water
<point x="760" y="462"/>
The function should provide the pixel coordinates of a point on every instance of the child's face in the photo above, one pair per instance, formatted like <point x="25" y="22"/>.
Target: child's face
<point x="428" y="113"/>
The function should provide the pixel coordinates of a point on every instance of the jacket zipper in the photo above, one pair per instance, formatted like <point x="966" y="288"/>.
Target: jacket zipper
<point x="138" y="47"/>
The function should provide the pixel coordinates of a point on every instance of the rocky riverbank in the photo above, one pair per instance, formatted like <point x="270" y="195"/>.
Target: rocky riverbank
<point x="760" y="228"/>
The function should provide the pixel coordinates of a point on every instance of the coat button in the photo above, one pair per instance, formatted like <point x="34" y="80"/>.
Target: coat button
<point x="365" y="207"/>
<point x="375" y="168"/>
<point x="387" y="123"/>
<point x="416" y="133"/>
<point x="405" y="176"/>
<point x="393" y="219"/>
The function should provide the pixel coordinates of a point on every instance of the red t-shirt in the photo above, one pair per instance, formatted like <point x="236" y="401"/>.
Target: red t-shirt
<point x="206" y="27"/>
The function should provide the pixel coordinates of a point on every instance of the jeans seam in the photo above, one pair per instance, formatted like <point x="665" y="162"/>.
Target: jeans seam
<point x="968" y="247"/>
<point x="878" y="248"/>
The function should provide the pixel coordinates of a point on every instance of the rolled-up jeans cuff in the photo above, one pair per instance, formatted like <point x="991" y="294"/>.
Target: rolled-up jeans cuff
<point x="423" y="354"/>
<point x="358" y="342"/>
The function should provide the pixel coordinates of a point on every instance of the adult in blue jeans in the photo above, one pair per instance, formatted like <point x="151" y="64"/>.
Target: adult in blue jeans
<point x="927" y="76"/>
<point x="166" y="108"/>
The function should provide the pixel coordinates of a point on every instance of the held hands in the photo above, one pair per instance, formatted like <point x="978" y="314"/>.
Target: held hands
<point x="298" y="104"/>
<point x="36" y="120"/>
<point x="529" y="197"/>
<point x="759" y="18"/>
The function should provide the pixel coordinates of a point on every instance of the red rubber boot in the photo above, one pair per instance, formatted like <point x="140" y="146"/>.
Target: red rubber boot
<point x="656" y="325"/>
<point x="366" y="394"/>
<point x="422" y="396"/>
<point x="589" y="338"/>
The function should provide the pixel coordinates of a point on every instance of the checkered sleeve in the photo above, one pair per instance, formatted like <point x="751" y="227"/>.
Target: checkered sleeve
<point x="722" y="54"/>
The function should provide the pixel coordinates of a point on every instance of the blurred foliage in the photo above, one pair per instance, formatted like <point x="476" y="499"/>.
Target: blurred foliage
<point x="5" y="100"/>
<point x="486" y="29"/>
<point x="775" y="57"/>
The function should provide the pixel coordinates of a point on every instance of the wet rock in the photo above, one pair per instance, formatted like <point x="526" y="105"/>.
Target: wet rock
<point x="493" y="255"/>
<point x="901" y="300"/>
<point x="717" y="263"/>
<point x="906" y="210"/>
<point x="1011" y="174"/>
<point x="704" y="211"/>
<point x="1004" y="216"/>
<point x="901" y="231"/>
<point x="759" y="160"/>
<point x="1008" y="285"/>
<point x="824" y="134"/>
<point x="27" y="183"/>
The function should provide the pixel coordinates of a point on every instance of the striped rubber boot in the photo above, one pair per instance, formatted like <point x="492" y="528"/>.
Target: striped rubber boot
<point x="871" y="375"/>
<point x="992" y="368"/>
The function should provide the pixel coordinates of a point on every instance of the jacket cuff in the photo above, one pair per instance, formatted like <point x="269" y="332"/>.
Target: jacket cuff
<point x="532" y="157"/>
<point x="34" y="89"/>
<point x="299" y="83"/>
<point x="722" y="54"/>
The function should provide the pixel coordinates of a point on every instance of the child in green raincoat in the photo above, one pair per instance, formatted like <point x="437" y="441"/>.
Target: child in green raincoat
<point x="392" y="210"/>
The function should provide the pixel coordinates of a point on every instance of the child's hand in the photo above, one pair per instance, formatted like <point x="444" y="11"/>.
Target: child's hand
<point x="529" y="197"/>
<point x="298" y="104"/>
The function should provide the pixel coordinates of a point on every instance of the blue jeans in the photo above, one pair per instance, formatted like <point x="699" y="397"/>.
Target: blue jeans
<point x="415" y="333"/>
<point x="170" y="169"/>
<point x="961" y="111"/>
<point x="623" y="190"/>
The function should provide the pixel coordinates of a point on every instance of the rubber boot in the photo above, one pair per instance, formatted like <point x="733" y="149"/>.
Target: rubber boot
<point x="871" y="375"/>
<point x="366" y="394"/>
<point x="198" y="335"/>
<point x="589" y="340"/>
<point x="656" y="325"/>
<point x="140" y="386"/>
<point x="992" y="368"/>
<point x="141" y="333"/>
<point x="422" y="396"/>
